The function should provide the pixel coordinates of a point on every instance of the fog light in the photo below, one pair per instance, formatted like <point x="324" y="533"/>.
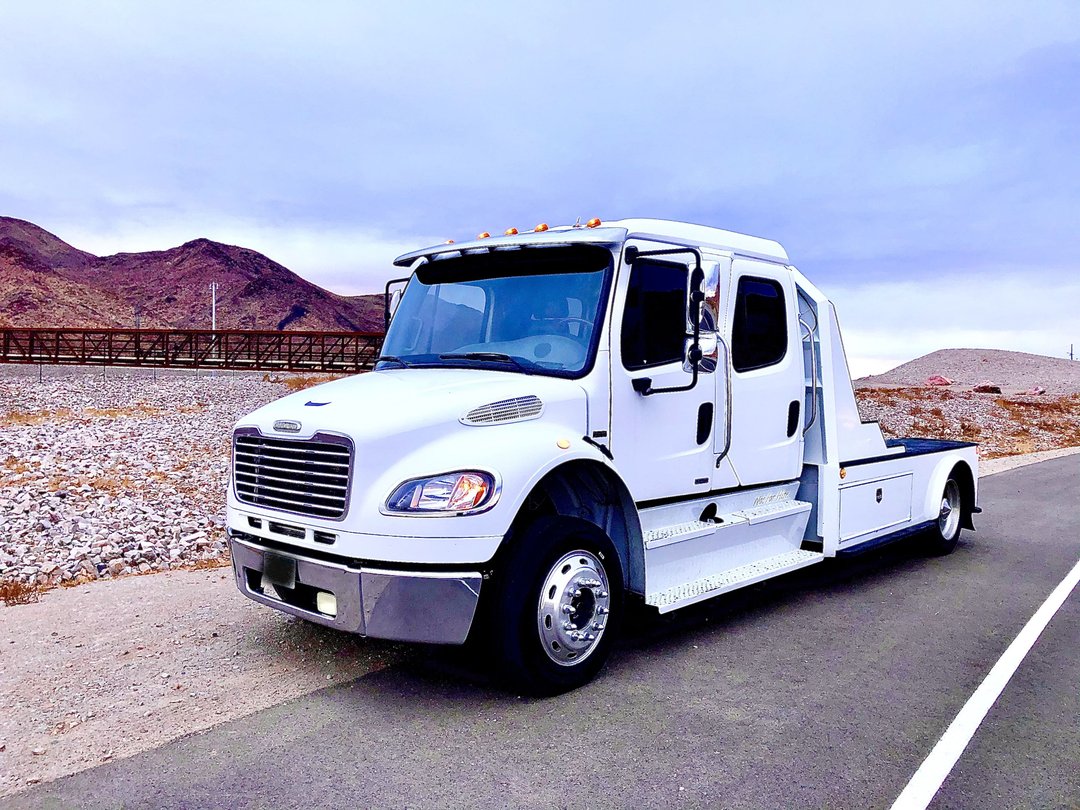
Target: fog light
<point x="326" y="603"/>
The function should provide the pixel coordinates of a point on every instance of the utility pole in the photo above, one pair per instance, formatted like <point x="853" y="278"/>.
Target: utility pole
<point x="1071" y="352"/>
<point x="213" y="318"/>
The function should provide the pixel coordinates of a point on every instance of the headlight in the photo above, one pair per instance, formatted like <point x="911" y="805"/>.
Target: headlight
<point x="454" y="493"/>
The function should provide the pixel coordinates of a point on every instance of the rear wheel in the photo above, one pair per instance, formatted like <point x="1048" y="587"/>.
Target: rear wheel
<point x="558" y="603"/>
<point x="943" y="536"/>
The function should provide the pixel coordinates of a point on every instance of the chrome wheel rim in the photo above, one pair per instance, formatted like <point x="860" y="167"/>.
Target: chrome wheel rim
<point x="949" y="516"/>
<point x="574" y="606"/>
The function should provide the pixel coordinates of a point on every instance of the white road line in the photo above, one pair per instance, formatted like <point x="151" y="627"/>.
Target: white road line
<point x="926" y="782"/>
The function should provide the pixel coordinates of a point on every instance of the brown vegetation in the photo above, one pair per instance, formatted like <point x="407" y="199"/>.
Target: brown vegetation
<point x="13" y="592"/>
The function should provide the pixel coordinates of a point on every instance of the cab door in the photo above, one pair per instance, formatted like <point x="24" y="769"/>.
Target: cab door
<point x="661" y="442"/>
<point x="767" y="385"/>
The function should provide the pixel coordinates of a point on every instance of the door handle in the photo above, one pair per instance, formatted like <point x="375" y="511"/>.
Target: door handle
<point x="704" y="422"/>
<point x="792" y="418"/>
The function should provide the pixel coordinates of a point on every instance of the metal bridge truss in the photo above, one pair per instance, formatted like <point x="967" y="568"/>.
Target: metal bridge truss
<point x="236" y="349"/>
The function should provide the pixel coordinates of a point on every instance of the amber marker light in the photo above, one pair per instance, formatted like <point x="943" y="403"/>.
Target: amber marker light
<point x="593" y="223"/>
<point x="448" y="242"/>
<point x="483" y="235"/>
<point x="543" y="226"/>
<point x="510" y="232"/>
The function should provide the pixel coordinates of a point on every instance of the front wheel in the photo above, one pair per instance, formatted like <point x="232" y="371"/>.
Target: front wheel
<point x="944" y="534"/>
<point x="558" y="603"/>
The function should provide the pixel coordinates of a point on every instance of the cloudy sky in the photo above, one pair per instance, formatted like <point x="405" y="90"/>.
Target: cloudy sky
<point x="919" y="160"/>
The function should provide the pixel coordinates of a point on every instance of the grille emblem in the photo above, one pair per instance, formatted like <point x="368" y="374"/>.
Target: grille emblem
<point x="287" y="425"/>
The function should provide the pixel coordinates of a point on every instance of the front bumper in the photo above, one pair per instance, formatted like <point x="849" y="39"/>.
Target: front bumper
<point x="434" y="607"/>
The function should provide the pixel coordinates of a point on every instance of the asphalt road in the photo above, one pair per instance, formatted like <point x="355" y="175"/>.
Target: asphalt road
<point x="826" y="688"/>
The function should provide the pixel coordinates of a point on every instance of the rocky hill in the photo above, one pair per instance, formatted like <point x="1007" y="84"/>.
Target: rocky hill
<point x="1011" y="371"/>
<point x="46" y="282"/>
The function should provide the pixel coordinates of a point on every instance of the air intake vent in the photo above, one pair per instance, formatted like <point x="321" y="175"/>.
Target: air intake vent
<point x="307" y="477"/>
<point x="503" y="411"/>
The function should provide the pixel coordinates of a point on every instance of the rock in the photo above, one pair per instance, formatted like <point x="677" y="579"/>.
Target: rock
<point x="987" y="388"/>
<point x="1036" y="391"/>
<point x="937" y="379"/>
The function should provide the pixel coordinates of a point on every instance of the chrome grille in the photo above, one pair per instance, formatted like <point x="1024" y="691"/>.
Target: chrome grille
<point x="506" y="410"/>
<point x="305" y="476"/>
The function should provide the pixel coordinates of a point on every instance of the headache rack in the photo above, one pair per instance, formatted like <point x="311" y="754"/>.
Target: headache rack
<point x="303" y="476"/>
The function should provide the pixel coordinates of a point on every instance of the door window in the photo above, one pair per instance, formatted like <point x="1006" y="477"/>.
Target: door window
<point x="654" y="321"/>
<point x="759" y="328"/>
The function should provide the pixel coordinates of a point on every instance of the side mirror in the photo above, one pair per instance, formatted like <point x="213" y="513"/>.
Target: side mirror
<point x="391" y="298"/>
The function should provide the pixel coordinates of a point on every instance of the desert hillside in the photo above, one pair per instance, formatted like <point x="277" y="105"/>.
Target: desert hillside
<point x="1011" y="371"/>
<point x="1020" y="418"/>
<point x="48" y="283"/>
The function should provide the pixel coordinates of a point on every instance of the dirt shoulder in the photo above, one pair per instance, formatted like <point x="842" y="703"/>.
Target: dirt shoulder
<point x="109" y="669"/>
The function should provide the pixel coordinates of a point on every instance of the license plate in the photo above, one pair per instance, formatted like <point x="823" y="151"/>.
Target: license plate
<point x="279" y="571"/>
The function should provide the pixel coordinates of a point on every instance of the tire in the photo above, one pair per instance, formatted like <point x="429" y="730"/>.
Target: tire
<point x="944" y="534"/>
<point x="558" y="602"/>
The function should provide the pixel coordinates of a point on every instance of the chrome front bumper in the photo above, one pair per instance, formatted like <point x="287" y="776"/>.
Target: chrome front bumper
<point x="433" y="607"/>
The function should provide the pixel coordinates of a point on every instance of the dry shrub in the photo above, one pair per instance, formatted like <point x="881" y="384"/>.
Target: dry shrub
<point x="139" y="409"/>
<point x="33" y="417"/>
<point x="16" y="466"/>
<point x="216" y="562"/>
<point x="113" y="486"/>
<point x="298" y="382"/>
<point x="18" y="593"/>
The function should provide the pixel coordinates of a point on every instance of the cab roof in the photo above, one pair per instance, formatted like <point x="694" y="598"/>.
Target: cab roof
<point x="612" y="233"/>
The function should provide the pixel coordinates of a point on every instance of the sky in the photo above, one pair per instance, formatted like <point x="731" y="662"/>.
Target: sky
<point x="920" y="161"/>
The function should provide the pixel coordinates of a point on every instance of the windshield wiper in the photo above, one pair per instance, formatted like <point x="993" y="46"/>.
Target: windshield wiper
<point x="389" y="358"/>
<point x="494" y="357"/>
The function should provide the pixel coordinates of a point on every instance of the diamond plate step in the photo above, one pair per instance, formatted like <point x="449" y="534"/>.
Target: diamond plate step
<point x="707" y="587"/>
<point x="678" y="532"/>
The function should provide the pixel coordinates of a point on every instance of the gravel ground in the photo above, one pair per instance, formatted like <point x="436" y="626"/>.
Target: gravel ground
<point x="106" y="476"/>
<point x="1003" y="425"/>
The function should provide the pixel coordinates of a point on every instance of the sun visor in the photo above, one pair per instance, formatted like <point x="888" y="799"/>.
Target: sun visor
<point x="549" y="238"/>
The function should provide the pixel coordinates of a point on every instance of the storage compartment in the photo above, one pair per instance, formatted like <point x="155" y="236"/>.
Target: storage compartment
<point x="869" y="506"/>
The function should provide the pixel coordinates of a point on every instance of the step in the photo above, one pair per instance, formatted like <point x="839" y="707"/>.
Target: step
<point x="676" y="533"/>
<point x="707" y="587"/>
<point x="692" y="529"/>
<point x="772" y="511"/>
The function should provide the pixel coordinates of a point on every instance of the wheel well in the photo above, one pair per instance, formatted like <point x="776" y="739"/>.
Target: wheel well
<point x="961" y="472"/>
<point x="590" y="491"/>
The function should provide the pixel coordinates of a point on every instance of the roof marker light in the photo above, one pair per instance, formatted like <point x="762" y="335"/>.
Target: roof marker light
<point x="510" y="232"/>
<point x="593" y="223"/>
<point x="448" y="242"/>
<point x="543" y="226"/>
<point x="483" y="235"/>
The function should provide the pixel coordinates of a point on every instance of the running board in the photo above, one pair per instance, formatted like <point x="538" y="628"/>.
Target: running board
<point x="730" y="580"/>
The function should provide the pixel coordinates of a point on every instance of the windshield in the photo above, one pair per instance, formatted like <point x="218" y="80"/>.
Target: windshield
<point x="533" y="310"/>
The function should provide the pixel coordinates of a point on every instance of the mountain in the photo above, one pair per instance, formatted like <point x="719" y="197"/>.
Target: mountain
<point x="46" y="282"/>
<point x="1011" y="371"/>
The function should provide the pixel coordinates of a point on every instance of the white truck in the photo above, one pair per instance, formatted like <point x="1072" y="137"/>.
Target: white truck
<point x="567" y="418"/>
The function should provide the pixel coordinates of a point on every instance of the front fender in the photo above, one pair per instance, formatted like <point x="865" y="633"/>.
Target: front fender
<point x="518" y="454"/>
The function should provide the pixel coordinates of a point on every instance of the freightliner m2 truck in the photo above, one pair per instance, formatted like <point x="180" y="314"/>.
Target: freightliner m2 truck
<point x="566" y="419"/>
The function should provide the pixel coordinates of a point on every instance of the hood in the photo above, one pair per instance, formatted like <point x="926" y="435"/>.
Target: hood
<point x="403" y="401"/>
